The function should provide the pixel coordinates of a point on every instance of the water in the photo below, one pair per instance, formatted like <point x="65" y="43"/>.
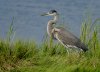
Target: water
<point x="30" y="25"/>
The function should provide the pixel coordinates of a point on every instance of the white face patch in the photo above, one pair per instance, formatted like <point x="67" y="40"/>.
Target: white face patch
<point x="51" y="14"/>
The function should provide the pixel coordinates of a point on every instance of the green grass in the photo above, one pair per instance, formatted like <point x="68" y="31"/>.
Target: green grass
<point x="27" y="56"/>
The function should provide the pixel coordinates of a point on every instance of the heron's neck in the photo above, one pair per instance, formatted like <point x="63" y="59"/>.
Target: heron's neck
<point x="50" y="25"/>
<point x="55" y="18"/>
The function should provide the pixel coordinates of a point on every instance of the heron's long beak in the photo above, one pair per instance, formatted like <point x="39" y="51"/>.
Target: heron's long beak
<point x="45" y="14"/>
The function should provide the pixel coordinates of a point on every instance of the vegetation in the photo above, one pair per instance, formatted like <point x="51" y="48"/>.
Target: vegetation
<point x="26" y="56"/>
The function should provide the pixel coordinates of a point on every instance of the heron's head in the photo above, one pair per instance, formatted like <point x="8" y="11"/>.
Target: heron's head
<point x="50" y="13"/>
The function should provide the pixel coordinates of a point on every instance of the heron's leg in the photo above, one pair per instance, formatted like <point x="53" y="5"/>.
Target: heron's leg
<point x="80" y="52"/>
<point x="67" y="51"/>
<point x="70" y="50"/>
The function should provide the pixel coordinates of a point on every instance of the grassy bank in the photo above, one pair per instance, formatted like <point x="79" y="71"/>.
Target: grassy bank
<point x="26" y="56"/>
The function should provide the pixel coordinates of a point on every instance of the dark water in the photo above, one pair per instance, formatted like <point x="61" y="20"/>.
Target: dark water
<point x="30" y="25"/>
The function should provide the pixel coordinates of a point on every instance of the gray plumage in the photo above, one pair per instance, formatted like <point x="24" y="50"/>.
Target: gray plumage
<point x="68" y="39"/>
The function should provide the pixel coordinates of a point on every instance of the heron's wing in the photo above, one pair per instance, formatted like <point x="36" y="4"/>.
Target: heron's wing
<point x="68" y="39"/>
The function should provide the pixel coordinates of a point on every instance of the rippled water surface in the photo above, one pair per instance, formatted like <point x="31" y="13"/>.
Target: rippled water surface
<point x="29" y="23"/>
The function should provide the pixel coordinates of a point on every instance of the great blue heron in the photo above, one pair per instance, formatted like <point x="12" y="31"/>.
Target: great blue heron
<point x="65" y="37"/>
